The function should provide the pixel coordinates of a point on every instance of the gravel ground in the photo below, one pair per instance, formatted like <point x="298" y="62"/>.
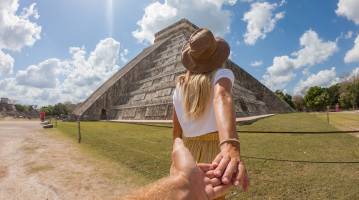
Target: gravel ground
<point x="39" y="164"/>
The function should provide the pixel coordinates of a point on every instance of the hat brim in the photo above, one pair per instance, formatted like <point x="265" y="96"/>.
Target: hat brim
<point x="215" y="61"/>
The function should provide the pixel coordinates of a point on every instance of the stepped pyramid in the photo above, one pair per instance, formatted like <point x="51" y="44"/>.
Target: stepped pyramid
<point x="143" y="88"/>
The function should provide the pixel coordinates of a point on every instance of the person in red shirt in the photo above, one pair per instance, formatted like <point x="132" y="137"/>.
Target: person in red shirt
<point x="42" y="116"/>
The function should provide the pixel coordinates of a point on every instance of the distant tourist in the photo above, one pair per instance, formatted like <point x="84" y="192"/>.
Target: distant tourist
<point x="204" y="111"/>
<point x="42" y="116"/>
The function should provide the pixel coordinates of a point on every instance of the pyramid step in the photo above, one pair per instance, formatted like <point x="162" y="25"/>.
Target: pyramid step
<point x="149" y="111"/>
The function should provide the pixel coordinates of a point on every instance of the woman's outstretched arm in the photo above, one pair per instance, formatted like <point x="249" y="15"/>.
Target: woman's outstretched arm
<point x="229" y="161"/>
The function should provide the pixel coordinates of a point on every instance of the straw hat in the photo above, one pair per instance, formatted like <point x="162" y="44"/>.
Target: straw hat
<point x="203" y="52"/>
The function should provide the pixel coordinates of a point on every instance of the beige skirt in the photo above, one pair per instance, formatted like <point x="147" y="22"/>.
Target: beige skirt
<point x="204" y="148"/>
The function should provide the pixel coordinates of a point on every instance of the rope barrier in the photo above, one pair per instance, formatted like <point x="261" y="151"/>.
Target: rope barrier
<point x="300" y="132"/>
<point x="289" y="132"/>
<point x="303" y="161"/>
<point x="249" y="157"/>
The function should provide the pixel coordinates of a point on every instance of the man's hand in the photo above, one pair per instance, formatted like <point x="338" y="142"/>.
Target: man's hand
<point x="197" y="181"/>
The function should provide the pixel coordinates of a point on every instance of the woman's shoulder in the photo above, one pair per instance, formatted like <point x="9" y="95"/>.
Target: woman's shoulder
<point x="224" y="73"/>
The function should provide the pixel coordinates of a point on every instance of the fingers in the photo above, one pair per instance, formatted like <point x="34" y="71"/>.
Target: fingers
<point x="222" y="166"/>
<point x="205" y="167"/>
<point x="216" y="182"/>
<point x="242" y="177"/>
<point x="246" y="182"/>
<point x="230" y="170"/>
<point x="210" y="174"/>
<point x="216" y="161"/>
<point x="221" y="189"/>
<point x="239" y="175"/>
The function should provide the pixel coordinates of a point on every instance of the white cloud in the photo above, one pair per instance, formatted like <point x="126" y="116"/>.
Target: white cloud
<point x="203" y="13"/>
<point x="230" y="54"/>
<point x="123" y="54"/>
<point x="306" y="71"/>
<point x="353" y="54"/>
<point x="42" y="76"/>
<point x="349" y="35"/>
<point x="6" y="63"/>
<point x="256" y="63"/>
<point x="355" y="72"/>
<point x="53" y="80"/>
<point x="16" y="31"/>
<point x="30" y="11"/>
<point x="85" y="76"/>
<point x="279" y="73"/>
<point x="260" y="21"/>
<point x="323" y="78"/>
<point x="349" y="9"/>
<point x="314" y="50"/>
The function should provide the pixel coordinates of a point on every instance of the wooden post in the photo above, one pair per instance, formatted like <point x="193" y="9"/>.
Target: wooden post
<point x="55" y="122"/>
<point x="328" y="117"/>
<point x="78" y="122"/>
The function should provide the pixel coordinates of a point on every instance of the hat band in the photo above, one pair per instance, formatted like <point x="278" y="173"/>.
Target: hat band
<point x="204" y="54"/>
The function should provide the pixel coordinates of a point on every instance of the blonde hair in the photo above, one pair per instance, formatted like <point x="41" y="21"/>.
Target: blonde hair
<point x="196" y="92"/>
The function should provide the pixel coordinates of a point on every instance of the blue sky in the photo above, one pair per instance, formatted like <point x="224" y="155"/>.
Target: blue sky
<point x="57" y="51"/>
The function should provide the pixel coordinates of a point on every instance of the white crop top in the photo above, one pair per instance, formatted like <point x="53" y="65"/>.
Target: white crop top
<point x="207" y="122"/>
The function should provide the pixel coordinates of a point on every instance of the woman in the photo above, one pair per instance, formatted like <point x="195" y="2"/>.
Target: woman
<point x="204" y="110"/>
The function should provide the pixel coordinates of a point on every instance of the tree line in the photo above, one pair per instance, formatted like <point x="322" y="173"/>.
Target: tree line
<point x="56" y="110"/>
<point x="345" y="93"/>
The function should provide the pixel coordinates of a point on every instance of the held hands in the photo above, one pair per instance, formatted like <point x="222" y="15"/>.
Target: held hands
<point x="199" y="180"/>
<point x="230" y="166"/>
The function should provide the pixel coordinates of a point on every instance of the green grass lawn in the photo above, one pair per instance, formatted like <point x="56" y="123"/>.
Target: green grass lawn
<point x="145" y="150"/>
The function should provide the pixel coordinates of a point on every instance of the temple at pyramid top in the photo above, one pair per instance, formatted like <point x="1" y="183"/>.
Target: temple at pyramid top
<point x="183" y="24"/>
<point x="143" y="88"/>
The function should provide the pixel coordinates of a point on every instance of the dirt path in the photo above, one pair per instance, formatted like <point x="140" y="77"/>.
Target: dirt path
<point x="38" y="164"/>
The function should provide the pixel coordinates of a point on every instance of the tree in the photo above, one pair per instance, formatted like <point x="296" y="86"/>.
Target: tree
<point x="60" y="109"/>
<point x="333" y="95"/>
<point x="316" y="98"/>
<point x="299" y="102"/>
<point x="349" y="90"/>
<point x="21" y="108"/>
<point x="48" y="110"/>
<point x="345" y="99"/>
<point x="286" y="97"/>
<point x="70" y="106"/>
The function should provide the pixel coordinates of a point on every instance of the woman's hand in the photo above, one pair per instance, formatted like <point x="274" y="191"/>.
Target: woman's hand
<point x="229" y="164"/>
